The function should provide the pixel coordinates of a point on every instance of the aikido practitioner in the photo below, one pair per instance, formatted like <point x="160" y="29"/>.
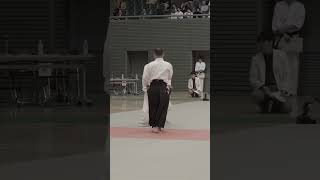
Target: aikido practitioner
<point x="194" y="85"/>
<point x="200" y="68"/>
<point x="157" y="78"/>
<point x="266" y="78"/>
<point x="145" y="108"/>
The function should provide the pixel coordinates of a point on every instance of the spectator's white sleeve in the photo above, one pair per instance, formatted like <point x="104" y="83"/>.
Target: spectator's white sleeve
<point x="297" y="16"/>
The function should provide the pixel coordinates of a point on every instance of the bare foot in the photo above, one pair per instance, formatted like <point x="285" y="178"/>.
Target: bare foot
<point x="155" y="130"/>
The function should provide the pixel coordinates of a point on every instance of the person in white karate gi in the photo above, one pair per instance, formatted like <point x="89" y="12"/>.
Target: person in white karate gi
<point x="288" y="20"/>
<point x="157" y="77"/>
<point x="266" y="78"/>
<point x="200" y="68"/>
<point x="194" y="85"/>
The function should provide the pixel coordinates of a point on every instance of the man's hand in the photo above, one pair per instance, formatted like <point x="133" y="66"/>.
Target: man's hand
<point x="146" y="88"/>
<point x="169" y="89"/>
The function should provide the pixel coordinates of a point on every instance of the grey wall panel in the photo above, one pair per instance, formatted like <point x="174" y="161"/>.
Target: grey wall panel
<point x="178" y="37"/>
<point x="310" y="74"/>
<point x="235" y="26"/>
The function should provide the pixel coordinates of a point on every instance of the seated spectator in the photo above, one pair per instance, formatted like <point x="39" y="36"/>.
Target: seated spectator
<point x="152" y="6"/>
<point x="173" y="6"/>
<point x="184" y="6"/>
<point x="161" y="9"/>
<point x="166" y="7"/>
<point x="173" y="14"/>
<point x="194" y="85"/>
<point x="144" y="12"/>
<point x="188" y="13"/>
<point x="117" y="12"/>
<point x="123" y="8"/>
<point x="190" y="5"/>
<point x="265" y="78"/>
<point x="198" y="11"/>
<point x="204" y="8"/>
<point x="196" y="5"/>
<point x="179" y="13"/>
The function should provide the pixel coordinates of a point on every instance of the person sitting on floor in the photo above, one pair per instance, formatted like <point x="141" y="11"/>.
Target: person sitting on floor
<point x="265" y="78"/>
<point x="194" y="85"/>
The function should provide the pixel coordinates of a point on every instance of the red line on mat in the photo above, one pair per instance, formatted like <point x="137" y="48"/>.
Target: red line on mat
<point x="169" y="134"/>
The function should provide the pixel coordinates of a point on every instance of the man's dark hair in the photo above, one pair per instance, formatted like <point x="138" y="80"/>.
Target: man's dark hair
<point x="158" y="52"/>
<point x="265" y="36"/>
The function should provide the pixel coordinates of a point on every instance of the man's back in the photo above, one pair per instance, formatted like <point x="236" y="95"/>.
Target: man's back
<point x="158" y="69"/>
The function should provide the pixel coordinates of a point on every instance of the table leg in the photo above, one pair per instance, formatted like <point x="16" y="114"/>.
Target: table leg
<point x="136" y="88"/>
<point x="78" y="82"/>
<point x="84" y="74"/>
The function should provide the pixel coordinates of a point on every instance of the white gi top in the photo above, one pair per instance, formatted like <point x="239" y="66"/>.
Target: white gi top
<point x="179" y="14"/>
<point x="157" y="69"/>
<point x="285" y="14"/>
<point x="188" y="14"/>
<point x="200" y="66"/>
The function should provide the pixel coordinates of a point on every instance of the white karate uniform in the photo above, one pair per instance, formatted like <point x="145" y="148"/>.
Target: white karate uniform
<point x="198" y="85"/>
<point x="285" y="15"/>
<point x="180" y="14"/>
<point x="200" y="67"/>
<point x="157" y="69"/>
<point x="258" y="71"/>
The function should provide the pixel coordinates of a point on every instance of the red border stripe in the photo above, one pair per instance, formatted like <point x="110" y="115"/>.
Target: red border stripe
<point x="169" y="134"/>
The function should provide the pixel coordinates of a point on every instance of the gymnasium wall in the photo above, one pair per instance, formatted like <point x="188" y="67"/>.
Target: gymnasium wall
<point x="178" y="37"/>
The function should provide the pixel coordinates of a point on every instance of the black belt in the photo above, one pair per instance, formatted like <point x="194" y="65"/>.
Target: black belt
<point x="293" y="33"/>
<point x="276" y="44"/>
<point x="158" y="81"/>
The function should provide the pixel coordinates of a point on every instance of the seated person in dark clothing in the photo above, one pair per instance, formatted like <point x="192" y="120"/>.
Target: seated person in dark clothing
<point x="197" y="12"/>
<point x="265" y="78"/>
<point x="194" y="85"/>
